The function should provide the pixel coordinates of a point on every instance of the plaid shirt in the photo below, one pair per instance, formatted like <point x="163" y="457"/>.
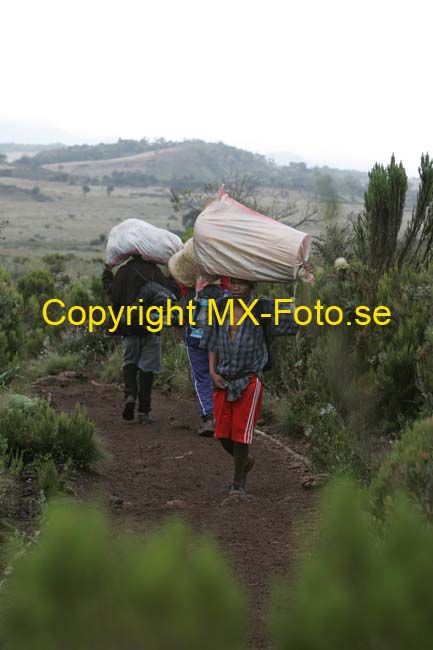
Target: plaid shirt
<point x="247" y="355"/>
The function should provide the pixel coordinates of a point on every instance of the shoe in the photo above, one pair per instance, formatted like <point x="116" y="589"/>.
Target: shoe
<point x="248" y="467"/>
<point x="236" y="489"/>
<point x="145" y="418"/>
<point x="128" y="409"/>
<point x="207" y="427"/>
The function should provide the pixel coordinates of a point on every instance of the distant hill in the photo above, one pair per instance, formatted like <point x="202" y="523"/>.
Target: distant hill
<point x="7" y="147"/>
<point x="101" y="151"/>
<point x="187" y="164"/>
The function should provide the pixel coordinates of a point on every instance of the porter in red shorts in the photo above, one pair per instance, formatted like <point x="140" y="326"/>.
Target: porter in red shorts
<point x="238" y="355"/>
<point x="236" y="420"/>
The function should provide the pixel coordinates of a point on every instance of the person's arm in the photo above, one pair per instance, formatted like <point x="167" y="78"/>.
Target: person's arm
<point x="210" y="342"/>
<point x="217" y="380"/>
<point x="107" y="280"/>
<point x="167" y="282"/>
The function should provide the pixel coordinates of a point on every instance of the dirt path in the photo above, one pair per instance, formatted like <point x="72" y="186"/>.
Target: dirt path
<point x="166" y="468"/>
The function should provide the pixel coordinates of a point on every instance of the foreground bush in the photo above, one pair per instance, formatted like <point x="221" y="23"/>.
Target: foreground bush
<point x="11" y="321"/>
<point x="409" y="466"/>
<point x="79" y="589"/>
<point x="32" y="429"/>
<point x="361" y="589"/>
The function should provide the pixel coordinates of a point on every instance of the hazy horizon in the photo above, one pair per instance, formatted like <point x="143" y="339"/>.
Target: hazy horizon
<point x="33" y="132"/>
<point x="341" y="83"/>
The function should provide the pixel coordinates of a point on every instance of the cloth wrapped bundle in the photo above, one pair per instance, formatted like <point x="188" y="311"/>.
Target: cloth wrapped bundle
<point x="137" y="237"/>
<point x="230" y="239"/>
<point x="183" y="266"/>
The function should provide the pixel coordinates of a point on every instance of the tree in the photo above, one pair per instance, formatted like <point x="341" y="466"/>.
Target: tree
<point x="190" y="203"/>
<point x="417" y="244"/>
<point x="378" y="226"/>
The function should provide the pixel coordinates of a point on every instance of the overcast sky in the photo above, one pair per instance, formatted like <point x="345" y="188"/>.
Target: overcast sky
<point x="339" y="82"/>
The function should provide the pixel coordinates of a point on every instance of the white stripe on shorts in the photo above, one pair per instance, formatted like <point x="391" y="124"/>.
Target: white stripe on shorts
<point x="248" y="435"/>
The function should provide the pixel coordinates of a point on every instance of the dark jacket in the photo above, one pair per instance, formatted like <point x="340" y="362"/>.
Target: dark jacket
<point x="124" y="287"/>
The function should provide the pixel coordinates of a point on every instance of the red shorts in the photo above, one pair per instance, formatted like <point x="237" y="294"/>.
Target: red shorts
<point x="236" y="420"/>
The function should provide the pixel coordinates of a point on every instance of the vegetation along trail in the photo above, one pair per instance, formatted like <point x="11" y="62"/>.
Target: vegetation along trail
<point x="165" y="468"/>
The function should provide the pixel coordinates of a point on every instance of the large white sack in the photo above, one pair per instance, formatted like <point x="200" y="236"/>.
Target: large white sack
<point x="137" y="237"/>
<point x="230" y="239"/>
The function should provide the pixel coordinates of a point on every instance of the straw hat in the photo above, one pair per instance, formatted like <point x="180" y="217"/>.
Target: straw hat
<point x="183" y="266"/>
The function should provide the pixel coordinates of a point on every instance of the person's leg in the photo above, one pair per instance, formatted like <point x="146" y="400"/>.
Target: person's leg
<point x="149" y="363"/>
<point x="201" y="381"/>
<point x="227" y="444"/>
<point x="223" y="410"/>
<point x="130" y="370"/>
<point x="130" y="381"/>
<point x="223" y="416"/>
<point x="246" y="411"/>
<point x="223" y="420"/>
<point x="145" y="391"/>
<point x="240" y="457"/>
<point x="130" y="390"/>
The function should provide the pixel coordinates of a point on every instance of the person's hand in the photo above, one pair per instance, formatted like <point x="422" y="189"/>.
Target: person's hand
<point x="307" y="272"/>
<point x="218" y="381"/>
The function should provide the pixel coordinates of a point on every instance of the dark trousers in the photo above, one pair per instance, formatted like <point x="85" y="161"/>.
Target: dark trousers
<point x="141" y="388"/>
<point x="199" y="363"/>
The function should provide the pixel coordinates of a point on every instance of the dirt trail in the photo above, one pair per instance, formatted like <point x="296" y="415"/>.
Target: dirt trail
<point x="166" y="468"/>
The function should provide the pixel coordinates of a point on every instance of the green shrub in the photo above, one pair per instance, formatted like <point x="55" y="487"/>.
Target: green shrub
<point x="55" y="262"/>
<point x="54" y="364"/>
<point x="38" y="283"/>
<point x="11" y="321"/>
<point x="7" y="376"/>
<point x="393" y="349"/>
<point x="270" y="408"/>
<point x="175" y="374"/>
<point x="35" y="430"/>
<point x="76" y="438"/>
<point x="336" y="241"/>
<point x="78" y="294"/>
<point x="22" y="403"/>
<point x="36" y="288"/>
<point x="334" y="447"/>
<point x="424" y="371"/>
<point x="111" y="371"/>
<point x="409" y="466"/>
<point x="78" y="588"/>
<point x="48" y="476"/>
<point x="360" y="587"/>
<point x="86" y="346"/>
<point x="292" y="414"/>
